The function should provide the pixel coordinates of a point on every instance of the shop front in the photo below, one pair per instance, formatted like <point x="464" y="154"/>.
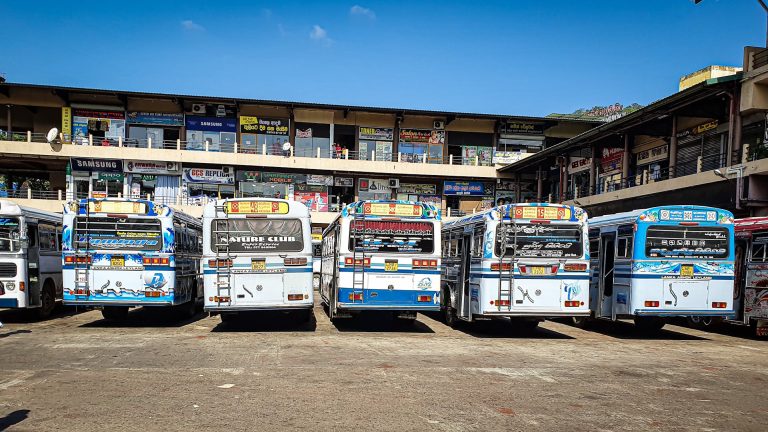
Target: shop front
<point x="609" y="178"/>
<point x="342" y="192"/>
<point x="416" y="143"/>
<point x="471" y="148"/>
<point x="98" y="178"/>
<point x="373" y="189"/>
<point x="578" y="176"/>
<point x="468" y="196"/>
<point x="217" y="134"/>
<point x="423" y="192"/>
<point x="158" y="180"/>
<point x="652" y="164"/>
<point x="516" y="138"/>
<point x="201" y="184"/>
<point x="257" y="132"/>
<point x="375" y="143"/>
<point x="315" y="197"/>
<point x="268" y="184"/>
<point x="157" y="127"/>
<point x="311" y="138"/>
<point x="505" y="193"/>
<point x="106" y="127"/>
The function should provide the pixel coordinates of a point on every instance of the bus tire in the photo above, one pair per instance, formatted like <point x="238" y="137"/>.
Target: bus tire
<point x="451" y="320"/>
<point x="47" y="300"/>
<point x="115" y="313"/>
<point x="649" y="324"/>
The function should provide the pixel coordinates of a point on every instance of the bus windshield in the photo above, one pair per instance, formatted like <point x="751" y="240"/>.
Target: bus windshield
<point x="114" y="233"/>
<point x="673" y="241"/>
<point x="9" y="235"/>
<point x="392" y="236"/>
<point x="257" y="235"/>
<point x="542" y="241"/>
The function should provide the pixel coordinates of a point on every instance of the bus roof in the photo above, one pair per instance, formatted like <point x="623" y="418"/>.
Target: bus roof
<point x="260" y="206"/>
<point x="10" y="208"/>
<point x="127" y="206"/>
<point x="751" y="224"/>
<point x="391" y="208"/>
<point x="670" y="213"/>
<point x="524" y="211"/>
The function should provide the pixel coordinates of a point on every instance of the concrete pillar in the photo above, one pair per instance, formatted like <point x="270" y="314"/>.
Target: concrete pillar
<point x="733" y="112"/>
<point x="592" y="170"/>
<point x="332" y="140"/>
<point x="518" y="189"/>
<point x="625" y="160"/>
<point x="673" y="148"/>
<point x="10" y="125"/>
<point x="29" y="136"/>
<point x="539" y="184"/>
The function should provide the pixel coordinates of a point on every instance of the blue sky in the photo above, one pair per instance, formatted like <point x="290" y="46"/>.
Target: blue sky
<point x="506" y="57"/>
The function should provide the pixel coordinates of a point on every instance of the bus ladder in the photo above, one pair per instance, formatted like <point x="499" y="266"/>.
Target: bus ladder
<point x="506" y="295"/>
<point x="358" y="270"/>
<point x="82" y="257"/>
<point x="223" y="273"/>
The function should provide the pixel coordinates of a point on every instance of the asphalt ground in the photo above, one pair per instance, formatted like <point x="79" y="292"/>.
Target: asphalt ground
<point x="269" y="372"/>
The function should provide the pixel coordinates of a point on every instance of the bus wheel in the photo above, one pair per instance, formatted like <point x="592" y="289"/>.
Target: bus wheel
<point x="581" y="322"/>
<point x="451" y="320"/>
<point x="47" y="301"/>
<point x="115" y="313"/>
<point x="649" y="324"/>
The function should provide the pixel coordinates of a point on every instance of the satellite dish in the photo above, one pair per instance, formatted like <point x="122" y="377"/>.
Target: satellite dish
<point x="52" y="135"/>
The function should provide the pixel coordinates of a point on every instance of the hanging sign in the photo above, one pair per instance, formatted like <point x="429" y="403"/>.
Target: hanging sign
<point x="653" y="155"/>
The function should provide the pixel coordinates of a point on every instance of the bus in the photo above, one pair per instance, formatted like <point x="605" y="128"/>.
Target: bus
<point x="382" y="255"/>
<point x="257" y="255"/>
<point x="30" y="261"/>
<point x="750" y="294"/>
<point x="317" y="259"/>
<point x="523" y="262"/>
<point x="668" y="261"/>
<point x="119" y="253"/>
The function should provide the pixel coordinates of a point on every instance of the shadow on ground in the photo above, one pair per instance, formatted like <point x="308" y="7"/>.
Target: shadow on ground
<point x="379" y="321"/>
<point x="501" y="328"/>
<point x="627" y="330"/>
<point x="13" y="418"/>
<point x="268" y="321"/>
<point x="147" y="317"/>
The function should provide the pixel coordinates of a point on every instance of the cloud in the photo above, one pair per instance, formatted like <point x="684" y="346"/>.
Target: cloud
<point x="362" y="11"/>
<point x="192" y="26"/>
<point x="319" y="34"/>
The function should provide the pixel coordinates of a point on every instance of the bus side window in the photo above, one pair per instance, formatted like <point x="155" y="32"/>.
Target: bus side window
<point x="624" y="247"/>
<point x="477" y="244"/>
<point x="594" y="248"/>
<point x="32" y="235"/>
<point x="758" y="252"/>
<point x="58" y="238"/>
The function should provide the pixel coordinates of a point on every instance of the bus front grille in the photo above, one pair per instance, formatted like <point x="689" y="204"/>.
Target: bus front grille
<point x="7" y="270"/>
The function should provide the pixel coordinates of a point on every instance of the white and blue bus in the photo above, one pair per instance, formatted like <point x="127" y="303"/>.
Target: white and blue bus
<point x="382" y="255"/>
<point x="122" y="253"/>
<point x="668" y="261"/>
<point x="257" y="255"/>
<point x="30" y="258"/>
<point x="526" y="262"/>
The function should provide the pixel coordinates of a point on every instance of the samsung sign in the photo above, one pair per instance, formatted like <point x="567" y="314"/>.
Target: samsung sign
<point x="97" y="165"/>
<point x="211" y="124"/>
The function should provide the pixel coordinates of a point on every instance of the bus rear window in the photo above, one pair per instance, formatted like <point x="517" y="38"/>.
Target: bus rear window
<point x="257" y="235"/>
<point x="392" y="236"/>
<point x="112" y="233"/>
<point x="9" y="235"/>
<point x="542" y="241"/>
<point x="671" y="241"/>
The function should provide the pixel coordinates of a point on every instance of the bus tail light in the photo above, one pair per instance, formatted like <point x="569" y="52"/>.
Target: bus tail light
<point x="152" y="293"/>
<point x="555" y="268"/>
<point x="719" y="305"/>
<point x="651" y="303"/>
<point x="425" y="263"/>
<point x="504" y="267"/>
<point x="294" y="297"/>
<point x="22" y="287"/>
<point x="365" y="262"/>
<point x="424" y="298"/>
<point x="295" y="262"/>
<point x="219" y="263"/>
<point x="71" y="259"/>
<point x="355" y="297"/>
<point x="500" y="302"/>
<point x="155" y="261"/>
<point x="217" y="299"/>
<point x="575" y="267"/>
<point x="572" y="303"/>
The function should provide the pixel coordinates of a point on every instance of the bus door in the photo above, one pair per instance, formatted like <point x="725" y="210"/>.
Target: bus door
<point x="607" y="254"/>
<point x="740" y="281"/>
<point x="464" y="272"/>
<point x="33" y="265"/>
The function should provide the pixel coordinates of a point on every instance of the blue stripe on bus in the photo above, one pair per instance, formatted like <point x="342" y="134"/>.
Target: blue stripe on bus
<point x="495" y="275"/>
<point x="96" y="268"/>
<point x="674" y="276"/>
<point x="9" y="303"/>
<point x="388" y="299"/>
<point x="287" y="270"/>
<point x="399" y="271"/>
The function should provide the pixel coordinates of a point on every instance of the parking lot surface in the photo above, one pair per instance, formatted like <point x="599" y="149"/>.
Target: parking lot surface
<point x="79" y="372"/>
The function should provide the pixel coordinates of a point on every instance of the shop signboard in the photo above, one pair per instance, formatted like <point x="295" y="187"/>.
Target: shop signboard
<point x="437" y="137"/>
<point x="159" y="119"/>
<point x="468" y="155"/>
<point x="209" y="175"/>
<point x="304" y="133"/>
<point x="505" y="185"/>
<point x="97" y="165"/>
<point x="506" y="157"/>
<point x="579" y="164"/>
<point x="152" y="167"/>
<point x="115" y="115"/>
<point x="415" y="135"/>
<point x="66" y="120"/>
<point x="698" y="129"/>
<point x="111" y="176"/>
<point x="212" y="124"/>
<point x="611" y="159"/>
<point x="653" y="155"/>
<point x="376" y="134"/>
<point x="254" y="176"/>
<point x="315" y="197"/>
<point x="417" y="189"/>
<point x="522" y="128"/>
<point x="263" y="125"/>
<point x="374" y="185"/>
<point x="463" y="188"/>
<point x="272" y="177"/>
<point x="317" y="179"/>
<point x="343" y="181"/>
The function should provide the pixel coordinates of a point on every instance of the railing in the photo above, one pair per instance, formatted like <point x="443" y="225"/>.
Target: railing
<point x="759" y="59"/>
<point x="26" y="193"/>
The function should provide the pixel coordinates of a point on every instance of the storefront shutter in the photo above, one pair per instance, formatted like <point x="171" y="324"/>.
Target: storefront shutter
<point x="712" y="156"/>
<point x="688" y="152"/>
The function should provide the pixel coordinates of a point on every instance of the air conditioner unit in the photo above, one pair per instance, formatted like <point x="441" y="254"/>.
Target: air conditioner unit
<point x="394" y="183"/>
<point x="439" y="125"/>
<point x="221" y="111"/>
<point x="225" y="170"/>
<point x="198" y="108"/>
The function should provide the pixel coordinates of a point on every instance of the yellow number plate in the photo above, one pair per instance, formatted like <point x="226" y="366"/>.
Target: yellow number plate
<point x="391" y="267"/>
<point x="686" y="270"/>
<point x="258" y="265"/>
<point x="117" y="261"/>
<point x="538" y="271"/>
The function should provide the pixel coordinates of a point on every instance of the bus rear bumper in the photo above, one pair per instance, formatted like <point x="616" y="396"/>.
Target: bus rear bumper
<point x="390" y="307"/>
<point x="538" y="314"/>
<point x="102" y="303"/>
<point x="685" y="313"/>
<point x="251" y="308"/>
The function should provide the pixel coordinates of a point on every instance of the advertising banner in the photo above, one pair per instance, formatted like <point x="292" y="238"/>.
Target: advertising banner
<point x="415" y="135"/>
<point x="272" y="177"/>
<point x="97" y="165"/>
<point x="160" y="119"/>
<point x="506" y="157"/>
<point x="343" y="181"/>
<point x="520" y="128"/>
<point x="151" y="167"/>
<point x="66" y="120"/>
<point x="653" y="155"/>
<point x="698" y="129"/>
<point x="263" y="125"/>
<point x="116" y="115"/>
<point x="374" y="185"/>
<point x="611" y="160"/>
<point x="463" y="188"/>
<point x="209" y="175"/>
<point x="211" y="124"/>
<point x="315" y="197"/>
<point x="579" y="164"/>
<point x="317" y="179"/>
<point x="437" y="137"/>
<point x="376" y="134"/>
<point x="417" y="188"/>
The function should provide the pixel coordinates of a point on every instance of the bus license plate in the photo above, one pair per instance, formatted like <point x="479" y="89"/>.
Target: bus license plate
<point x="538" y="271"/>
<point x="390" y="266"/>
<point x="258" y="265"/>
<point x="117" y="261"/>
<point x="686" y="271"/>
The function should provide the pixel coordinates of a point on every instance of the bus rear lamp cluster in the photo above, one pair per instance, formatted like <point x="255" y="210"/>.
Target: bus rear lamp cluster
<point x="152" y="294"/>
<point x="500" y="303"/>
<point x="21" y="286"/>
<point x="355" y="297"/>
<point x="424" y="263"/>
<point x="365" y="262"/>
<point x="573" y="303"/>
<point x="424" y="298"/>
<point x="295" y="297"/>
<point x="504" y="266"/>
<point x="220" y="263"/>
<point x="71" y="259"/>
<point x="719" y="305"/>
<point x="575" y="267"/>
<point x="217" y="299"/>
<point x="295" y="261"/>
<point x="651" y="303"/>
<point x="155" y="261"/>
